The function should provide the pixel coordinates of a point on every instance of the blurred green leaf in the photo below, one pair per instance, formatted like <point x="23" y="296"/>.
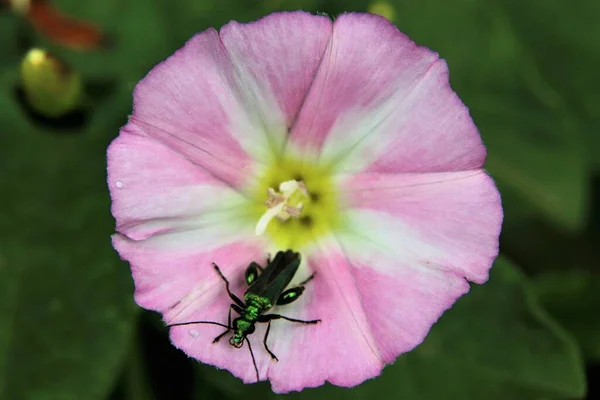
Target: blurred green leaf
<point x="9" y="285"/>
<point x="190" y="17"/>
<point x="593" y="142"/>
<point x="335" y="7"/>
<point x="9" y="43"/>
<point x="538" y="155"/>
<point x="562" y="37"/>
<point x="535" y="144"/>
<point x="137" y="383"/>
<point x="73" y="313"/>
<point x="222" y="381"/>
<point x="573" y="298"/>
<point x="495" y="343"/>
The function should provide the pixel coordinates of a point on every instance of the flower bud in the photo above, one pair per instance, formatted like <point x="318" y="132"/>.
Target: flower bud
<point x="382" y="8"/>
<point x="51" y="87"/>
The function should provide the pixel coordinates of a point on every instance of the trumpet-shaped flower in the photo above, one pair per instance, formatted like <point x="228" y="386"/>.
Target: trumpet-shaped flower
<point x="340" y="140"/>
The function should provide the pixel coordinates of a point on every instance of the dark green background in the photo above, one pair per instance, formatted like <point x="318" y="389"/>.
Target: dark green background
<point x="526" y="68"/>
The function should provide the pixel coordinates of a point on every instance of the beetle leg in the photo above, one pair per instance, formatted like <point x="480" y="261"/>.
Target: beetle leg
<point x="310" y="278"/>
<point x="215" y="340"/>
<point x="294" y="293"/>
<point x="270" y="317"/>
<point x="231" y="295"/>
<point x="273" y="356"/>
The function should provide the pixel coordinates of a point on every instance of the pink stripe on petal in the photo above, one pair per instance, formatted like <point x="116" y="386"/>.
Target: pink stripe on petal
<point x="435" y="134"/>
<point x="154" y="189"/>
<point x="180" y="280"/>
<point x="341" y="349"/>
<point x="382" y="103"/>
<point x="280" y="52"/>
<point x="442" y="220"/>
<point x="403" y="304"/>
<point x="192" y="103"/>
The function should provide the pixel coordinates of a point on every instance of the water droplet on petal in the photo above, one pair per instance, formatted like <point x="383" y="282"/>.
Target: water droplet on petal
<point x="119" y="184"/>
<point x="194" y="333"/>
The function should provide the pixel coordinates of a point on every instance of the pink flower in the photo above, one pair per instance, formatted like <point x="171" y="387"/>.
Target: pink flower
<point x="383" y="191"/>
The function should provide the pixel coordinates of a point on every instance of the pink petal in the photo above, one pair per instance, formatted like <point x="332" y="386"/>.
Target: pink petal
<point x="449" y="221"/>
<point x="226" y="102"/>
<point x="189" y="102"/>
<point x="381" y="103"/>
<point x="342" y="349"/>
<point x="402" y="304"/>
<point x="280" y="52"/>
<point x="155" y="190"/>
<point x="173" y="273"/>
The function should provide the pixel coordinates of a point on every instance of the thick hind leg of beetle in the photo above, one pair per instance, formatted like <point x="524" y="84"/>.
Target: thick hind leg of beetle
<point x="252" y="273"/>
<point x="294" y="293"/>
<point x="270" y="317"/>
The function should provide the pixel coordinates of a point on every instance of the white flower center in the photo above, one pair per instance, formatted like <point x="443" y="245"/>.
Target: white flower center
<point x="279" y="205"/>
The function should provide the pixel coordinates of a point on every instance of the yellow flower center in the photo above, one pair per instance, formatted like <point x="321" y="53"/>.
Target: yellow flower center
<point x="296" y="203"/>
<point x="282" y="205"/>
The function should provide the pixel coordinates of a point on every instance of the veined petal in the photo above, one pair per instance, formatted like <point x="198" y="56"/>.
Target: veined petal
<point x="447" y="221"/>
<point x="401" y="304"/>
<point x="342" y="348"/>
<point x="173" y="272"/>
<point x="190" y="103"/>
<point x="381" y="103"/>
<point x="277" y="56"/>
<point x="226" y="102"/>
<point x="155" y="190"/>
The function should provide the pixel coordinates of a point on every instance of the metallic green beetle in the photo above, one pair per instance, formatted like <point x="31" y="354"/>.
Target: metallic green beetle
<point x="266" y="289"/>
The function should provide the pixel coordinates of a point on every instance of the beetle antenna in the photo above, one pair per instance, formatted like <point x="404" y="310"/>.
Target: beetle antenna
<point x="253" y="360"/>
<point x="198" y="322"/>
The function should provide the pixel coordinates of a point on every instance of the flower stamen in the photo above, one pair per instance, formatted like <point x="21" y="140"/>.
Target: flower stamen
<point x="279" y="206"/>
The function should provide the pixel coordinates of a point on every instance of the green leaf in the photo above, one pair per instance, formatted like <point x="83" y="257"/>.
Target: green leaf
<point x="495" y="343"/>
<point x="9" y="286"/>
<point x="67" y="311"/>
<point x="535" y="143"/>
<point x="537" y="155"/>
<point x="593" y="141"/>
<point x="563" y="39"/>
<point x="136" y="380"/>
<point x="336" y="7"/>
<point x="9" y="38"/>
<point x="573" y="298"/>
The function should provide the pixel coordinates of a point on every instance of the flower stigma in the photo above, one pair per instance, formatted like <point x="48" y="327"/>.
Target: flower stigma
<point x="301" y="203"/>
